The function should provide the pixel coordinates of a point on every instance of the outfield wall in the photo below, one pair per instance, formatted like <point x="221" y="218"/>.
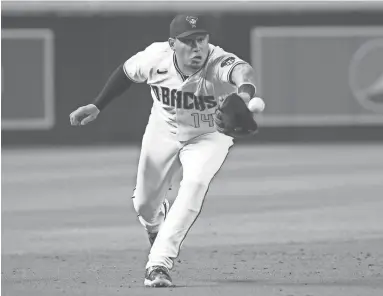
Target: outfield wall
<point x="314" y="68"/>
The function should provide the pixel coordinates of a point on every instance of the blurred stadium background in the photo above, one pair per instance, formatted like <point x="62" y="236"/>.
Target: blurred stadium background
<point x="310" y="180"/>
<point x="316" y="63"/>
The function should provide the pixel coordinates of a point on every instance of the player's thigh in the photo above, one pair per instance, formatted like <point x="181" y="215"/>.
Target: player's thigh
<point x="157" y="163"/>
<point x="203" y="157"/>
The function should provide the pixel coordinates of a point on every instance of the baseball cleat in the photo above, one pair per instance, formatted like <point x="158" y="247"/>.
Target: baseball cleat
<point x="157" y="277"/>
<point x="164" y="209"/>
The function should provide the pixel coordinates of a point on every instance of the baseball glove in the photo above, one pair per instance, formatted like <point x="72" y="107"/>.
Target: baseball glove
<point x="234" y="119"/>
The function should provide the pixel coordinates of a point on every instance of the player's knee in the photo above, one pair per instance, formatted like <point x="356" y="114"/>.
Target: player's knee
<point x="142" y="208"/>
<point x="142" y="199"/>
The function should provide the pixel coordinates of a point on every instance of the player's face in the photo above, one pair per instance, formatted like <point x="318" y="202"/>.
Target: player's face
<point x="192" y="51"/>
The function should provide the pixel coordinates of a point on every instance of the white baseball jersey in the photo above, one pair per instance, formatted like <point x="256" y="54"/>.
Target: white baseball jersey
<point x="186" y="104"/>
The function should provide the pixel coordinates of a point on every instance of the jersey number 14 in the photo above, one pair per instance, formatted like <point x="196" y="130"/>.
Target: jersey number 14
<point x="198" y="118"/>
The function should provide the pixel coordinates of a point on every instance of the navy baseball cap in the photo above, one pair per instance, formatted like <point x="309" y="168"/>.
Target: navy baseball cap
<point x="186" y="25"/>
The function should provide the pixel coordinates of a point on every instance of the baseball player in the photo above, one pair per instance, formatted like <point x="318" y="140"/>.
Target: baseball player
<point x="199" y="96"/>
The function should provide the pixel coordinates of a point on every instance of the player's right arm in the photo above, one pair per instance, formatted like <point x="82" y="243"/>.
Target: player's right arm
<point x="136" y="69"/>
<point x="115" y="86"/>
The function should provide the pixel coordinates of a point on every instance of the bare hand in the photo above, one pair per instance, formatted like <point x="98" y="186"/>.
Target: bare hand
<point x="84" y="115"/>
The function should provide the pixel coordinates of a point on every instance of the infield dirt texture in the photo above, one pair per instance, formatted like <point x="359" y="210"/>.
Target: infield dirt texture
<point x="303" y="220"/>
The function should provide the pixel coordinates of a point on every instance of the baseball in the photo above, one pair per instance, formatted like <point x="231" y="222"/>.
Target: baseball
<point x="256" y="105"/>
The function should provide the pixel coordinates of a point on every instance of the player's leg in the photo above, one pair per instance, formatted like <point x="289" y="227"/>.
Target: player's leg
<point x="157" y="163"/>
<point x="201" y="159"/>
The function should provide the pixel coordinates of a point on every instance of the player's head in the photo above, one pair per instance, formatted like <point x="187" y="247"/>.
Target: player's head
<point x="189" y="38"/>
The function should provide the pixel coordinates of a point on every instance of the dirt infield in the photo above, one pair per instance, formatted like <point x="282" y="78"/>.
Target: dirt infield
<point x="278" y="220"/>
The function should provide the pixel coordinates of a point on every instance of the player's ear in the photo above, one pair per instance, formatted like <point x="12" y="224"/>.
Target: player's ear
<point x="172" y="43"/>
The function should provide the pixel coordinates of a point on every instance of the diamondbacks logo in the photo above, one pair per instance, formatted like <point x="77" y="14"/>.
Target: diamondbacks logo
<point x="183" y="100"/>
<point x="192" y="20"/>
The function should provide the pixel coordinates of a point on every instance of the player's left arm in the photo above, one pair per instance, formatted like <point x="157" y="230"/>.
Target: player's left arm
<point x="235" y="116"/>
<point x="243" y="77"/>
<point x="232" y="70"/>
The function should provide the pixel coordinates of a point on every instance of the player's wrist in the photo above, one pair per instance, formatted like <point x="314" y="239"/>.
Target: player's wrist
<point x="95" y="107"/>
<point x="246" y="91"/>
<point x="96" y="103"/>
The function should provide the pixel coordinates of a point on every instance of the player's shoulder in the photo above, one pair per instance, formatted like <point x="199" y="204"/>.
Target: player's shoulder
<point x="154" y="54"/>
<point x="158" y="48"/>
<point x="216" y="51"/>
<point x="219" y="55"/>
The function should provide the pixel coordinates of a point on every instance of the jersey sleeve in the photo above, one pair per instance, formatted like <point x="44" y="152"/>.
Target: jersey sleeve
<point x="225" y="64"/>
<point x="138" y="67"/>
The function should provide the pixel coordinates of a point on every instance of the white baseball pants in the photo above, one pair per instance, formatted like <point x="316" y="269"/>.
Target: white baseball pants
<point x="162" y="155"/>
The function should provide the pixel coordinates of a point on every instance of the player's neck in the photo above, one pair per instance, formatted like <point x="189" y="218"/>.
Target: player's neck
<point x="185" y="70"/>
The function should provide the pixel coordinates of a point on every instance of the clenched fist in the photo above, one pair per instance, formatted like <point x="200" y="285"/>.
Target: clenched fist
<point x="84" y="115"/>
